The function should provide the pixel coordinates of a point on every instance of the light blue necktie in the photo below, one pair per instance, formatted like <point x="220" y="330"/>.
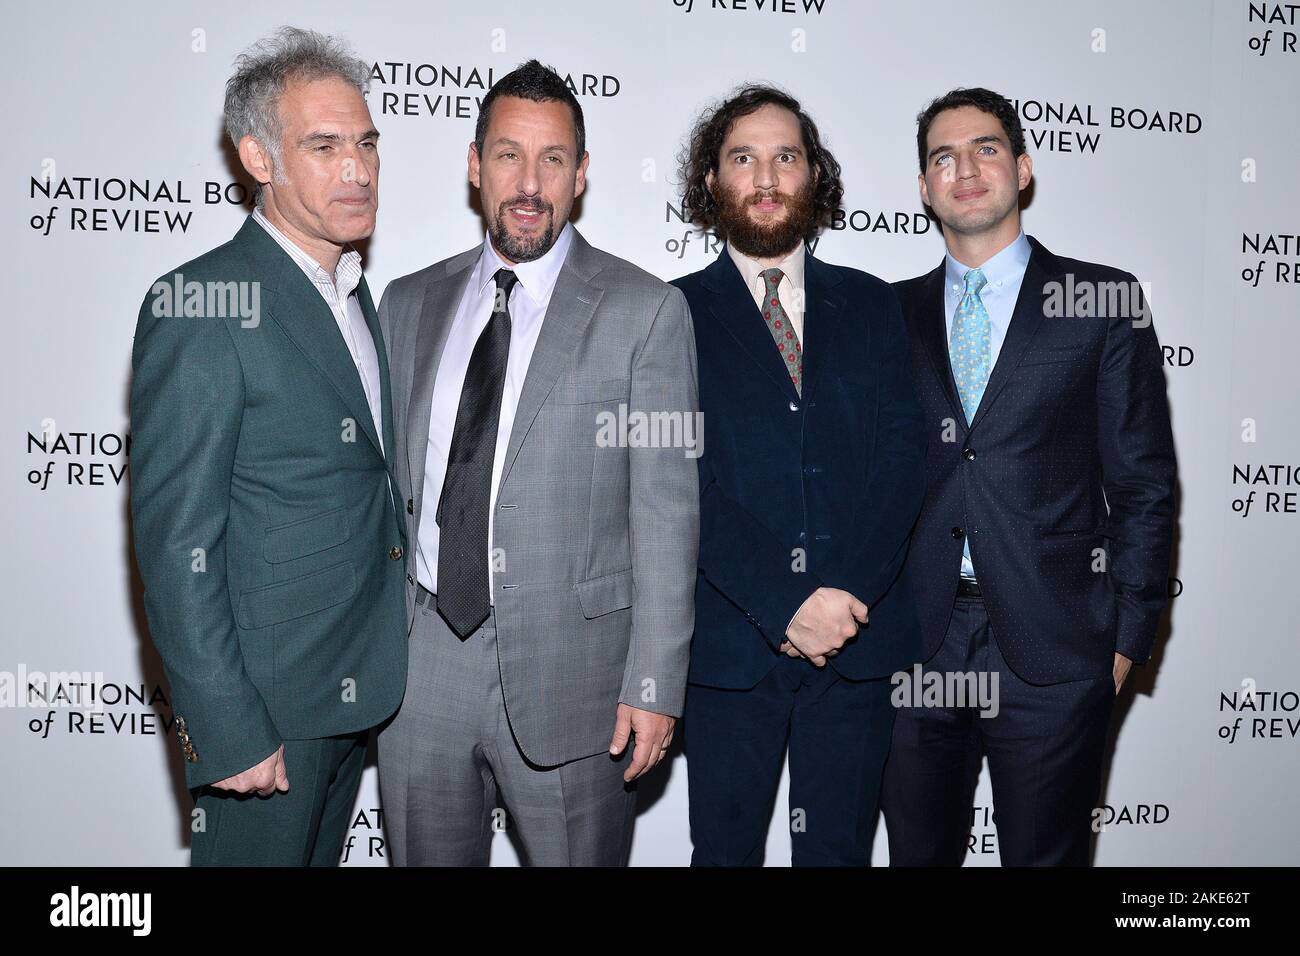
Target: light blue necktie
<point x="969" y="351"/>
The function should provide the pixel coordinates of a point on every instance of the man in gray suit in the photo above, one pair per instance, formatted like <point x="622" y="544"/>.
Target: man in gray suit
<point x="546" y="428"/>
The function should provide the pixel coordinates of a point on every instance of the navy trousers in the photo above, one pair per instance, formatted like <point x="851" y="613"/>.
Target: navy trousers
<point x="1044" y="746"/>
<point x="838" y="732"/>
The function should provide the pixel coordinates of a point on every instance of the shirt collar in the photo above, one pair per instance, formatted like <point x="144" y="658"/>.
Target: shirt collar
<point x="346" y="275"/>
<point x="538" y="277"/>
<point x="792" y="265"/>
<point x="1009" y="263"/>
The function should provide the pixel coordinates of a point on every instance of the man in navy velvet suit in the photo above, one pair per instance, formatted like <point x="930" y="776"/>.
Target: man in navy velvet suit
<point x="810" y="482"/>
<point x="1041" y="558"/>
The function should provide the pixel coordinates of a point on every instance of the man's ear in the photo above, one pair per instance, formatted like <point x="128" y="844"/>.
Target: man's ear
<point x="580" y="179"/>
<point x="1024" y="170"/>
<point x="256" y="160"/>
<point x="708" y="183"/>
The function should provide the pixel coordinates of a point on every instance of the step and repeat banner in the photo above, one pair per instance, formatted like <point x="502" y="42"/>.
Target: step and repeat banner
<point x="1164" y="140"/>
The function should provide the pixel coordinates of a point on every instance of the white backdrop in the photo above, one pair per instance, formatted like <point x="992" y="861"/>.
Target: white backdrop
<point x="107" y="95"/>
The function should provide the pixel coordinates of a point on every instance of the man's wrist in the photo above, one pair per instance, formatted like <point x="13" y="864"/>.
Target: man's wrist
<point x="800" y="607"/>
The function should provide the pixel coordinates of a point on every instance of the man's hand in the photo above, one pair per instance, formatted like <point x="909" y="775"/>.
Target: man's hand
<point x="823" y="624"/>
<point x="1122" y="664"/>
<point x="263" y="779"/>
<point x="654" y="732"/>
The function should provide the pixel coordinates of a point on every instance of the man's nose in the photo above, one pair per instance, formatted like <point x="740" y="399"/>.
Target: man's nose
<point x="356" y="167"/>
<point x="967" y="168"/>
<point x="530" y="182"/>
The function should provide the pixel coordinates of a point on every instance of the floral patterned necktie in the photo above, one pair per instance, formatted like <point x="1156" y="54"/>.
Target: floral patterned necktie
<point x="778" y="323"/>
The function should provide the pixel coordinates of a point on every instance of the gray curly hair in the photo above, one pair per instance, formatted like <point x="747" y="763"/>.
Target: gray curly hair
<point x="262" y="71"/>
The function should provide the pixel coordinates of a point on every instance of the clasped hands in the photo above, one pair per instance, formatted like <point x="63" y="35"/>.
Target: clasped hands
<point x="824" y="623"/>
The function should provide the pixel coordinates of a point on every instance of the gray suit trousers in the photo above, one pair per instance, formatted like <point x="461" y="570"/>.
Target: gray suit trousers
<point x="451" y="773"/>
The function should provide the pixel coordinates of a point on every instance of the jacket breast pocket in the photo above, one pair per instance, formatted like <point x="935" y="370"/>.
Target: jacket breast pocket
<point x="609" y="592"/>
<point x="590" y="393"/>
<point x="1051" y="354"/>
<point x="297" y="539"/>
<point x="296" y="597"/>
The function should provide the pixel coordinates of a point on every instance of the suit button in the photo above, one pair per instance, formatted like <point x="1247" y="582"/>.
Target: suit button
<point x="395" y="553"/>
<point x="968" y="454"/>
<point x="794" y="406"/>
<point x="410" y="506"/>
<point x="410" y="580"/>
<point x="958" y="533"/>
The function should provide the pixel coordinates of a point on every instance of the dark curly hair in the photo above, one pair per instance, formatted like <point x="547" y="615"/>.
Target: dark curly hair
<point x="989" y="102"/>
<point x="700" y="157"/>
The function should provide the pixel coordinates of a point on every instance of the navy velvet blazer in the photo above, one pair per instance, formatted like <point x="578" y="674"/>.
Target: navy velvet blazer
<point x="799" y="492"/>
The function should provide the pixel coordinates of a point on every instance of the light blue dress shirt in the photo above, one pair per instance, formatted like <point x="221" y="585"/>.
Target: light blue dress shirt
<point x="1004" y="272"/>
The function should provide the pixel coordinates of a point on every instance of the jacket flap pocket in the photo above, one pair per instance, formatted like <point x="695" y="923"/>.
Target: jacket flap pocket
<point x="297" y="597"/>
<point x="609" y="592"/>
<point x="306" y="536"/>
<point x="1049" y="531"/>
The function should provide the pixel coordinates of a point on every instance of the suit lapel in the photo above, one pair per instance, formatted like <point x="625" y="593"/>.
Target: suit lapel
<point x="932" y="321"/>
<point x="1025" y="320"/>
<point x="823" y="307"/>
<point x="386" y="391"/>
<point x="573" y="303"/>
<point x="732" y="304"/>
<point x="297" y="307"/>
<point x="442" y="297"/>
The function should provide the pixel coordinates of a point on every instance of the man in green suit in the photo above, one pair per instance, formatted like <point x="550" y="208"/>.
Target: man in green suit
<point x="265" y="511"/>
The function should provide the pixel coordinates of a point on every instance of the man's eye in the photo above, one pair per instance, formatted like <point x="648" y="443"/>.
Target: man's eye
<point x="939" y="160"/>
<point x="742" y="159"/>
<point x="989" y="148"/>
<point x="324" y="148"/>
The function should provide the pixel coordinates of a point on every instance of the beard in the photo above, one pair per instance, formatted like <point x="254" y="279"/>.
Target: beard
<point x="518" y="248"/>
<point x="765" y="240"/>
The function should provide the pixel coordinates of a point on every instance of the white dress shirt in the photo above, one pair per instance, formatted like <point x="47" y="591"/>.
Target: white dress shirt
<point x="528" y="302"/>
<point x="791" y="300"/>
<point x="339" y="292"/>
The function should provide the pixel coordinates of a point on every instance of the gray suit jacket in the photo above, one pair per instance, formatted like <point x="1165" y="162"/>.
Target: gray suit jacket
<point x="594" y="593"/>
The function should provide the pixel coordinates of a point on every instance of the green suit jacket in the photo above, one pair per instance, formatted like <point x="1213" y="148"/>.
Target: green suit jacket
<point x="264" y="513"/>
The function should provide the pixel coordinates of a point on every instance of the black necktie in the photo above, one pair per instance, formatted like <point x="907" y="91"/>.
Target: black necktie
<point x="463" y="587"/>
